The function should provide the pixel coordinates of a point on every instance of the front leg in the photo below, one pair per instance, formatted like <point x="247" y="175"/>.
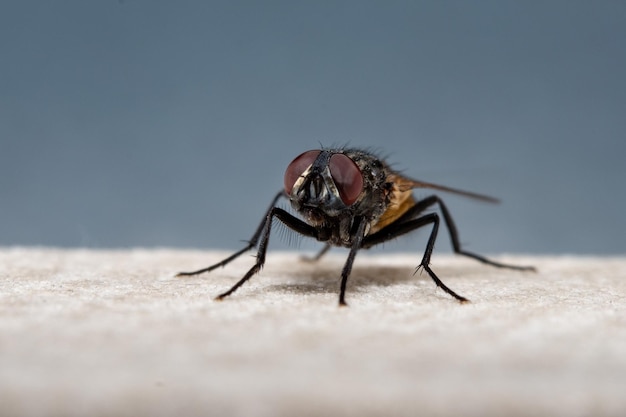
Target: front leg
<point x="290" y="221"/>
<point x="251" y="243"/>
<point x="347" y="268"/>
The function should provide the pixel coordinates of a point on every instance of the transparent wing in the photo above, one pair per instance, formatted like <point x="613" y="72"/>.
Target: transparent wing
<point x="404" y="184"/>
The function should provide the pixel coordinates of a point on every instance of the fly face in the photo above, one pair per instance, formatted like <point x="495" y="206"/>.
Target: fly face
<point x="336" y="189"/>
<point x="322" y="185"/>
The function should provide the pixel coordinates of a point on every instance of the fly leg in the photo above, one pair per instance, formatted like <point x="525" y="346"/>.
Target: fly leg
<point x="407" y="223"/>
<point x="251" y="243"/>
<point x="456" y="245"/>
<point x="391" y="231"/>
<point x="291" y="222"/>
<point x="394" y="230"/>
<point x="347" y="268"/>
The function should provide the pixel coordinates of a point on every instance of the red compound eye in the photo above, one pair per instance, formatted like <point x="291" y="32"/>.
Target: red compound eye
<point x="347" y="177"/>
<point x="297" y="167"/>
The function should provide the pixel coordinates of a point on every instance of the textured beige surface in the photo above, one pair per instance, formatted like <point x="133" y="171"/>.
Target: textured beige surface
<point x="112" y="333"/>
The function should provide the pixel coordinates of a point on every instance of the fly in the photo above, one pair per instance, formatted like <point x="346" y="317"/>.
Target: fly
<point x="353" y="199"/>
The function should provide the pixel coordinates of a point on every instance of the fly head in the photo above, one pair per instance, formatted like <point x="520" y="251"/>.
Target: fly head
<point x="330" y="185"/>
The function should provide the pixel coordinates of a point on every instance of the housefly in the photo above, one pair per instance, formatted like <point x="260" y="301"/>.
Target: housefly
<point x="351" y="198"/>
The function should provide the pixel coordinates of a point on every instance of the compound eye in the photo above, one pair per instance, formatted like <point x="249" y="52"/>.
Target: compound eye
<point x="347" y="176"/>
<point x="297" y="167"/>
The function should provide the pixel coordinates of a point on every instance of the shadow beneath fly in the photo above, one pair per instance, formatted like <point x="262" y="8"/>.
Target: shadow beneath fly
<point x="317" y="278"/>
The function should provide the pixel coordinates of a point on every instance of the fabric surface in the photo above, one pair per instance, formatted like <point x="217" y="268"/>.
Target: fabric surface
<point x="113" y="333"/>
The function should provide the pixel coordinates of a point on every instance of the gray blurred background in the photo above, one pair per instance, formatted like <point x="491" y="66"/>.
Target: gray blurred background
<point x="170" y="123"/>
